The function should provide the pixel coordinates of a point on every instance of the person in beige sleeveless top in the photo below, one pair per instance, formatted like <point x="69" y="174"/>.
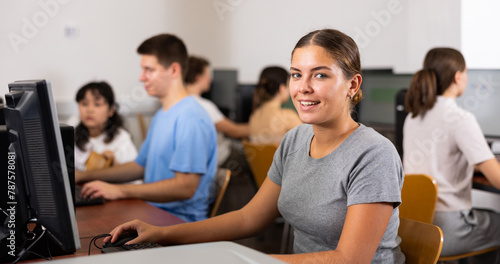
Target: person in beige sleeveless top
<point x="268" y="121"/>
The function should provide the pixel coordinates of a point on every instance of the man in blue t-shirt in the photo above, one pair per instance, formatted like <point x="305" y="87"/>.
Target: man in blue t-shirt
<point x="178" y="159"/>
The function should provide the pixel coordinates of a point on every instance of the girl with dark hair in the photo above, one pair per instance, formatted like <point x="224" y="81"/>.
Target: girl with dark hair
<point x="445" y="141"/>
<point x="269" y="122"/>
<point x="101" y="128"/>
<point x="337" y="182"/>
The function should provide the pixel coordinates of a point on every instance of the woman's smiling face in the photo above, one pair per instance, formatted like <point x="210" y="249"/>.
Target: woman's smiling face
<point x="318" y="87"/>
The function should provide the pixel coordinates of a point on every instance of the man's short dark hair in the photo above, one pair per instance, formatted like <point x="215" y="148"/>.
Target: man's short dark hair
<point x="167" y="49"/>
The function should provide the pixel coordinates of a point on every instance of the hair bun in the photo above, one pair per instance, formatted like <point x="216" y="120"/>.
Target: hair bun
<point x="357" y="97"/>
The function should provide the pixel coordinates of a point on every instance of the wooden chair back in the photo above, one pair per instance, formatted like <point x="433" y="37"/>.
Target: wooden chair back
<point x="260" y="158"/>
<point x="142" y="126"/>
<point x="419" y="197"/>
<point x="223" y="176"/>
<point x="468" y="254"/>
<point x="421" y="243"/>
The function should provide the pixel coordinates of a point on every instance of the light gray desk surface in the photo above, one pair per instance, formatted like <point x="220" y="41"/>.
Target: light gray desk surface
<point x="214" y="252"/>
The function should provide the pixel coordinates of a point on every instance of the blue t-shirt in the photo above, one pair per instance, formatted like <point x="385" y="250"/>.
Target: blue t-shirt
<point x="182" y="139"/>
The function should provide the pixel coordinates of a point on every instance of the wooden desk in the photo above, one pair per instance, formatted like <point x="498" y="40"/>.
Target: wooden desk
<point x="481" y="183"/>
<point x="484" y="195"/>
<point x="101" y="219"/>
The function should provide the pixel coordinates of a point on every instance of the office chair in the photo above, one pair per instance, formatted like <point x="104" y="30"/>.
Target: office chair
<point x="419" y="197"/>
<point x="260" y="158"/>
<point x="421" y="243"/>
<point x="142" y="125"/>
<point x="223" y="176"/>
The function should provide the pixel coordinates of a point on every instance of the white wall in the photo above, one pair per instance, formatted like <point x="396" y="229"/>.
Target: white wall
<point x="264" y="33"/>
<point x="241" y="34"/>
<point x="388" y="32"/>
<point x="429" y="24"/>
<point x="480" y="38"/>
<point x="34" y="44"/>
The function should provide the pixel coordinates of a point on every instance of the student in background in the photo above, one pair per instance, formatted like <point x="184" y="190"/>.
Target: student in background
<point x="198" y="80"/>
<point x="337" y="182"/>
<point x="445" y="141"/>
<point x="268" y="121"/>
<point x="178" y="159"/>
<point x="101" y="127"/>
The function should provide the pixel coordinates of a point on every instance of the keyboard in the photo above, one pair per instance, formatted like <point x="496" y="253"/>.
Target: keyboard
<point x="129" y="247"/>
<point x="80" y="201"/>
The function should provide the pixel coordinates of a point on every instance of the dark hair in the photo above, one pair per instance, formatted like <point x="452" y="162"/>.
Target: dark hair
<point x="114" y="122"/>
<point x="437" y="75"/>
<point x="269" y="84"/>
<point x="167" y="49"/>
<point x="341" y="48"/>
<point x="196" y="66"/>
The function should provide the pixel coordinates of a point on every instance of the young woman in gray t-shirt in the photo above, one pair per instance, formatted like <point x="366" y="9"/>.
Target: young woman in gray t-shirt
<point x="337" y="182"/>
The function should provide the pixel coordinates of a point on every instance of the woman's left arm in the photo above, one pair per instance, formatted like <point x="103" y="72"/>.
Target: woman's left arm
<point x="364" y="227"/>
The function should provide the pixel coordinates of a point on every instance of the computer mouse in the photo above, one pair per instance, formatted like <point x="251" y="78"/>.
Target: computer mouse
<point x="122" y="239"/>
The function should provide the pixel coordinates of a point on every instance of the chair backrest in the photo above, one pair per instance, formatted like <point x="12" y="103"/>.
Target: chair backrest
<point x="419" y="197"/>
<point x="260" y="158"/>
<point x="421" y="243"/>
<point x="468" y="254"/>
<point x="142" y="125"/>
<point x="223" y="176"/>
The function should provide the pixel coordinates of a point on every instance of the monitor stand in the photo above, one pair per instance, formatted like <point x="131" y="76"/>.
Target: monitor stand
<point x="39" y="244"/>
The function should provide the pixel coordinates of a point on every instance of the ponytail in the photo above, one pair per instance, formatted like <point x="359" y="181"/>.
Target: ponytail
<point x="357" y="97"/>
<point x="270" y="80"/>
<point x="264" y="92"/>
<point x="423" y="92"/>
<point x="437" y="75"/>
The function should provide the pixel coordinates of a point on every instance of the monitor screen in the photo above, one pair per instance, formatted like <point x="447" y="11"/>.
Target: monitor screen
<point x="481" y="97"/>
<point x="380" y="88"/>
<point x="222" y="90"/>
<point x="244" y="100"/>
<point x="37" y="170"/>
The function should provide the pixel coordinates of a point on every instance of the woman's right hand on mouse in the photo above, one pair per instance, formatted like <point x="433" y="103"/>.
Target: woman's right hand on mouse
<point x="146" y="233"/>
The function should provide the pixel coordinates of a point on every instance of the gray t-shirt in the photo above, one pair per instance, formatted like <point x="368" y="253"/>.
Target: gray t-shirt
<point x="315" y="193"/>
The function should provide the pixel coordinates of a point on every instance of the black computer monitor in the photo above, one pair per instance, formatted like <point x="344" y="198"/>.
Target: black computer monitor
<point x="222" y="90"/>
<point x="244" y="101"/>
<point x="37" y="172"/>
<point x="2" y="118"/>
